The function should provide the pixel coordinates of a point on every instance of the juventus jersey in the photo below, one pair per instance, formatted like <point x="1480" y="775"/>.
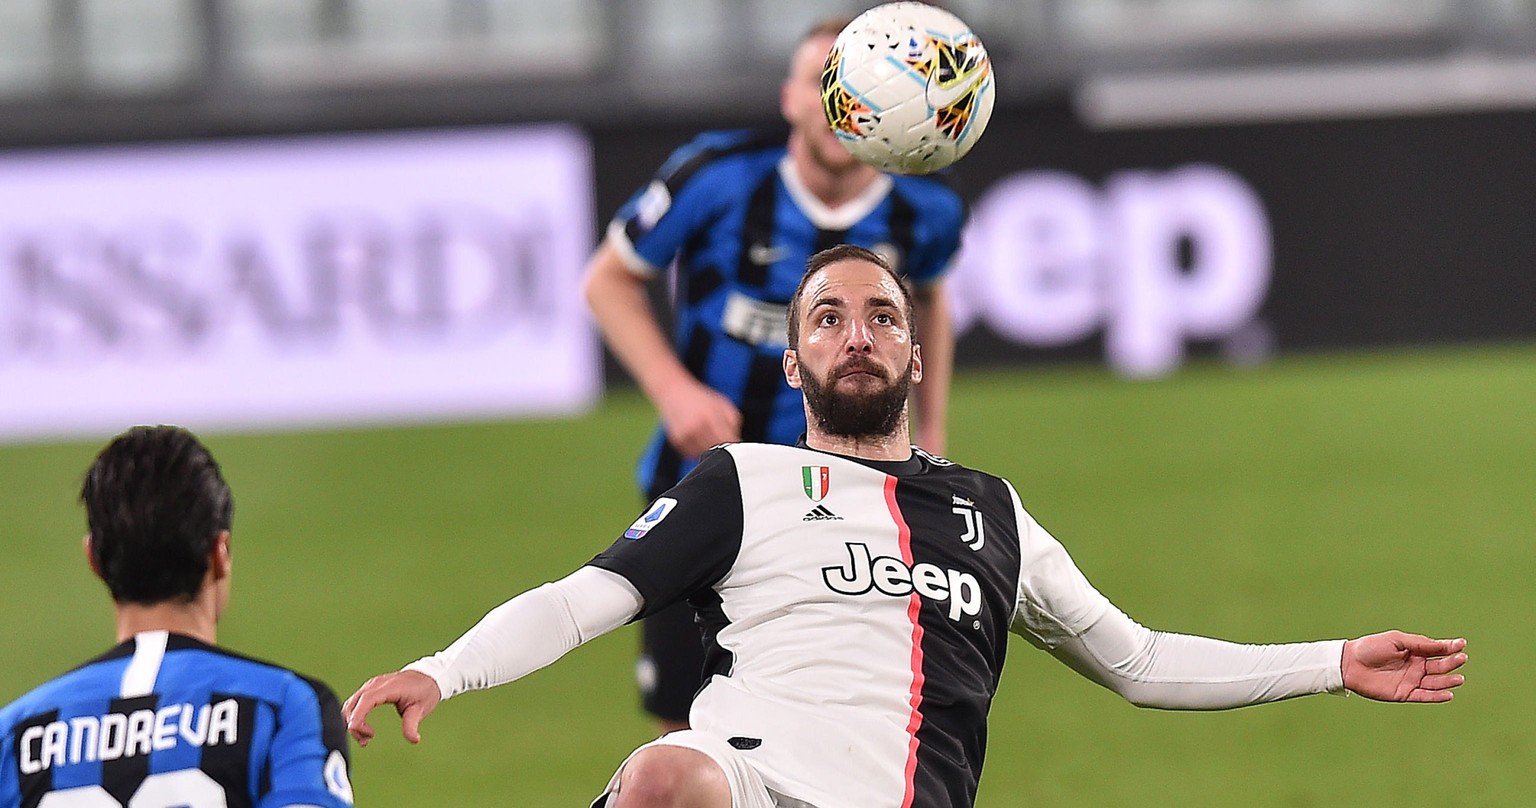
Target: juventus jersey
<point x="166" y="720"/>
<point x="856" y="613"/>
<point x="735" y="221"/>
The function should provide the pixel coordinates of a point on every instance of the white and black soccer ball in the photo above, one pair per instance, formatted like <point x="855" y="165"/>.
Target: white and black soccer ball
<point x="907" y="88"/>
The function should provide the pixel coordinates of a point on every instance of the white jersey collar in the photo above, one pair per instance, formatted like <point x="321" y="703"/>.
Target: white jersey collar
<point x="841" y="217"/>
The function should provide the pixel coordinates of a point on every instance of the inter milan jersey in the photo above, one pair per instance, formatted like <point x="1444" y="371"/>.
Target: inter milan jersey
<point x="732" y="216"/>
<point x="857" y="621"/>
<point x="166" y="720"/>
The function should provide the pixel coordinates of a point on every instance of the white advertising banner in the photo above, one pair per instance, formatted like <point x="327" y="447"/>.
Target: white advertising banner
<point x="301" y="281"/>
<point x="1151" y="260"/>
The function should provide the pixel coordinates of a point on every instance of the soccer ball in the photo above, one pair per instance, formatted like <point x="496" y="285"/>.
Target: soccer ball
<point x="907" y="88"/>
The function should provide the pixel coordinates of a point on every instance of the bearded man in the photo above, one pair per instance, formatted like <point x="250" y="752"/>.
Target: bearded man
<point x="857" y="595"/>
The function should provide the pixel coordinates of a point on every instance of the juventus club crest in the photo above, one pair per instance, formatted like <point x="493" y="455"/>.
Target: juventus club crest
<point x="818" y="480"/>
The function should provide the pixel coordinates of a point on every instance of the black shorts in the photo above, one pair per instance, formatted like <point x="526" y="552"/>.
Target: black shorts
<point x="671" y="666"/>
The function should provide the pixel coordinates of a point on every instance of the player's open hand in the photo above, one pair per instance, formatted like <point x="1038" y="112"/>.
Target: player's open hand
<point x="414" y="694"/>
<point x="1394" y="666"/>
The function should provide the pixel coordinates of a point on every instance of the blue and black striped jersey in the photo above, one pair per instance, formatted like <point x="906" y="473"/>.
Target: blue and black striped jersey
<point x="729" y="213"/>
<point x="166" y="720"/>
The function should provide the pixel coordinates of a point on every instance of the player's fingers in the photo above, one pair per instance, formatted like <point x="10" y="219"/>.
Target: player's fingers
<point x="356" y="713"/>
<point x="1422" y="696"/>
<point x="359" y="728"/>
<point x="1427" y="646"/>
<point x="350" y="705"/>
<point x="693" y="444"/>
<point x="410" y="722"/>
<point x="1445" y="664"/>
<point x="725" y="427"/>
<point x="1445" y="682"/>
<point x="704" y="435"/>
<point x="699" y="432"/>
<point x="362" y="733"/>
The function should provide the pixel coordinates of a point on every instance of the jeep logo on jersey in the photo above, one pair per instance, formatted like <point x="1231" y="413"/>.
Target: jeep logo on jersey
<point x="652" y="518"/>
<point x="818" y="481"/>
<point x="891" y="576"/>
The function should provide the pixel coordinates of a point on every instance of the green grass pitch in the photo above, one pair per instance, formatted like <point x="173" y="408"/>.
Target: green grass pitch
<point x="1322" y="496"/>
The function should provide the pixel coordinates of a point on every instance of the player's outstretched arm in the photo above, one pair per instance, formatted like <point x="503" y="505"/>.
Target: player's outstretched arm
<point x="415" y="695"/>
<point x="512" y="640"/>
<point x="1394" y="666"/>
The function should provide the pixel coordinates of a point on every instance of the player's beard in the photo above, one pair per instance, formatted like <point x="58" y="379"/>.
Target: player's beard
<point x="856" y="413"/>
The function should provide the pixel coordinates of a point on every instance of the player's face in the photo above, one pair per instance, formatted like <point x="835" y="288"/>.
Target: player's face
<point x="856" y="361"/>
<point x="800" y="103"/>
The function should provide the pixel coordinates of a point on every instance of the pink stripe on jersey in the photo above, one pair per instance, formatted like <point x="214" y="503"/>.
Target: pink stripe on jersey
<point x="904" y="539"/>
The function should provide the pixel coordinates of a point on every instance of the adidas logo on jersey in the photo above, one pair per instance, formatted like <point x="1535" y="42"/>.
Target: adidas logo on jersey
<point x="820" y="514"/>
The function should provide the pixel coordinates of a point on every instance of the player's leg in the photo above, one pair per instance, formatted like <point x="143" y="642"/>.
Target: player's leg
<point x="686" y="770"/>
<point x="674" y="777"/>
<point x="671" y="666"/>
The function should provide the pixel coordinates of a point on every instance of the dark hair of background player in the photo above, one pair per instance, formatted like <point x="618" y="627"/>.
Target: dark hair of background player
<point x="154" y="503"/>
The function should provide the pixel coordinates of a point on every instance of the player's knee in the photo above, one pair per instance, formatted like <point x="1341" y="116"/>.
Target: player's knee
<point x="672" y="777"/>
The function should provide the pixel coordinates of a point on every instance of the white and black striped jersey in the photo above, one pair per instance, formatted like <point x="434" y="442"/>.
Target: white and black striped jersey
<point x="856" y="613"/>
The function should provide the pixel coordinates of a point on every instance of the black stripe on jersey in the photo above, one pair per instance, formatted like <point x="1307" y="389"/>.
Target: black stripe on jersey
<point x="700" y="283"/>
<point x="757" y="230"/>
<point x="123" y="776"/>
<point x="264" y="778"/>
<point x="695" y="353"/>
<point x="33" y="786"/>
<point x="762" y="387"/>
<point x="669" y="469"/>
<point x="962" y="659"/>
<point x="902" y="222"/>
<point x="827" y="239"/>
<point x="711" y="619"/>
<point x="230" y="763"/>
<point x="333" y="730"/>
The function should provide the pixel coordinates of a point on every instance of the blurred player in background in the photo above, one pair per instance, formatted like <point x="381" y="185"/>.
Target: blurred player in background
<point x="859" y="594"/>
<point x="737" y="214"/>
<point x="166" y="718"/>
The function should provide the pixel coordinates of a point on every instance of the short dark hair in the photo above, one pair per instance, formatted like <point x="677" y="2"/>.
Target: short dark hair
<point x="836" y="254"/>
<point x="154" y="503"/>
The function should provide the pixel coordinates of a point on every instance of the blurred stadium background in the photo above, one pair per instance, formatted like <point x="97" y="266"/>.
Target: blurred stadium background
<point x="1246" y="305"/>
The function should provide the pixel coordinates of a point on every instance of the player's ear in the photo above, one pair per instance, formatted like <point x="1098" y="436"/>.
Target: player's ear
<point x="220" y="562"/>
<point x="792" y="368"/>
<point x="917" y="363"/>
<point x="90" y="557"/>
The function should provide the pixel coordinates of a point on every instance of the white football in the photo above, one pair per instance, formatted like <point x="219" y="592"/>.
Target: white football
<point x="907" y="88"/>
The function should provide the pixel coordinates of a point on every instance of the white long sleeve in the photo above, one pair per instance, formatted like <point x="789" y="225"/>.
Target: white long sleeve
<point x="532" y="630"/>
<point x="1184" y="672"/>
<point x="1060" y="611"/>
